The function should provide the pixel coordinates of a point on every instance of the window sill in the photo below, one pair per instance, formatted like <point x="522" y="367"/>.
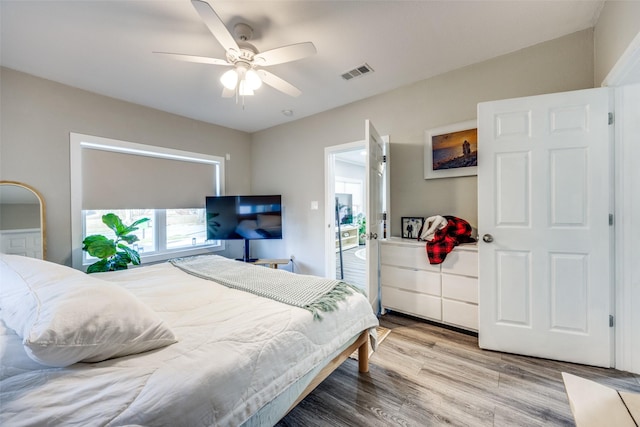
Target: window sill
<point x="161" y="257"/>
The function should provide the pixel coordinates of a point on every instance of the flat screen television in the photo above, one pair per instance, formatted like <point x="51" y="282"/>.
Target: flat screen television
<point x="344" y="207"/>
<point x="244" y="218"/>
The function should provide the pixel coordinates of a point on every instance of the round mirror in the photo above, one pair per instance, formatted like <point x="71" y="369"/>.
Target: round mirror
<point x="22" y="225"/>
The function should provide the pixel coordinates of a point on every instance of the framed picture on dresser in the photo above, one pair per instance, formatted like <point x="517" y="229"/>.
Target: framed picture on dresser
<point x="411" y="226"/>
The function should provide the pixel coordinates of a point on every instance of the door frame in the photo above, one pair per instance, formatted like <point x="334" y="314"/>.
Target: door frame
<point x="329" y="198"/>
<point x="627" y="230"/>
<point x="624" y="78"/>
<point x="329" y="201"/>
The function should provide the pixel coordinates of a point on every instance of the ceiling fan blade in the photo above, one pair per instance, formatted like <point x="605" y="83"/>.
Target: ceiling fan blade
<point x="289" y="53"/>
<point x="215" y="25"/>
<point x="279" y="84"/>
<point x="228" y="93"/>
<point x="193" y="58"/>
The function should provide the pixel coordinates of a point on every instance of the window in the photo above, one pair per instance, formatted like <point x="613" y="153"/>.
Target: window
<point x="93" y="225"/>
<point x="184" y="230"/>
<point x="138" y="181"/>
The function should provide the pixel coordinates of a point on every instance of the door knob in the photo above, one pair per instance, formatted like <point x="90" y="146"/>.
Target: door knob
<point x="487" y="238"/>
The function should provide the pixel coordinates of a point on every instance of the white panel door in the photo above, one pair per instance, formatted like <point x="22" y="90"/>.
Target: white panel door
<point x="26" y="242"/>
<point x="374" y="183"/>
<point x="544" y="199"/>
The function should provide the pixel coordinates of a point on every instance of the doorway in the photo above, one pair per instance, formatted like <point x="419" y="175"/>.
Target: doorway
<point x="346" y="196"/>
<point x="376" y="181"/>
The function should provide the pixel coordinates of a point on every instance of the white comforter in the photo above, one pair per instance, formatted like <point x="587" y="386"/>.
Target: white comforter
<point x="235" y="352"/>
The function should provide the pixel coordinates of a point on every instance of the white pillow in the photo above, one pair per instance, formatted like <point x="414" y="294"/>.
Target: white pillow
<point x="65" y="316"/>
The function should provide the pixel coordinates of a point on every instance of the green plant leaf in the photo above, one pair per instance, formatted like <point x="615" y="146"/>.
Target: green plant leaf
<point x="114" y="222"/>
<point x="107" y="249"/>
<point x="133" y="255"/>
<point x="99" y="246"/>
<point x="133" y="227"/>
<point x="120" y="261"/>
<point x="90" y="239"/>
<point x="138" y="222"/>
<point x="98" y="267"/>
<point x="130" y="239"/>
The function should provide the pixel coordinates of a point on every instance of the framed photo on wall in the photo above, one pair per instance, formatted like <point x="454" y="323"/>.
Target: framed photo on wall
<point x="451" y="151"/>
<point x="411" y="226"/>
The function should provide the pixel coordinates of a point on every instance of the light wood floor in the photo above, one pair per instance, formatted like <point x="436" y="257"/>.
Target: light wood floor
<point x="354" y="268"/>
<point x="425" y="375"/>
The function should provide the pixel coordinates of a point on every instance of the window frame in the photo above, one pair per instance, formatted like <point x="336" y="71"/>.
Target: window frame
<point x="79" y="142"/>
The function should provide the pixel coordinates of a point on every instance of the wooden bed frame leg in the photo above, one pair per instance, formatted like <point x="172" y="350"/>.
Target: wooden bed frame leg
<point x="362" y="344"/>
<point x="363" y="356"/>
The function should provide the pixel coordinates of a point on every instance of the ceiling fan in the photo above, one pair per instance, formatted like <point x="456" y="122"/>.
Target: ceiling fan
<point x="246" y="74"/>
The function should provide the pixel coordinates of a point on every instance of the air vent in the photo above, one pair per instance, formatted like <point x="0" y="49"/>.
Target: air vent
<point x="357" y="72"/>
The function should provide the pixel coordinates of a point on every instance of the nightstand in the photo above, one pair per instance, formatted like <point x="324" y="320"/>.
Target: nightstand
<point x="272" y="263"/>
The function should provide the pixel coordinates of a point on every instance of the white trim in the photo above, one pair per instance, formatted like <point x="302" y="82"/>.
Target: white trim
<point x="625" y="76"/>
<point x="627" y="230"/>
<point x="78" y="142"/>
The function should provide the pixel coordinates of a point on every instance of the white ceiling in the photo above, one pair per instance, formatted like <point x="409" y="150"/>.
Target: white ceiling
<point x="106" y="47"/>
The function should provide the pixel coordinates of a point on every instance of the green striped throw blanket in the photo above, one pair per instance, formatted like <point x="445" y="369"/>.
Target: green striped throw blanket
<point x="313" y="293"/>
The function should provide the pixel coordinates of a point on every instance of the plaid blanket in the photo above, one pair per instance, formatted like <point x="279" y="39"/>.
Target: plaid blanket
<point x="455" y="232"/>
<point x="312" y="293"/>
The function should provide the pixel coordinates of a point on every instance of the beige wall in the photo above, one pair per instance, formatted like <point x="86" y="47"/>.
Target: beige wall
<point x="38" y="115"/>
<point x="618" y="24"/>
<point x="19" y="216"/>
<point x="290" y="158"/>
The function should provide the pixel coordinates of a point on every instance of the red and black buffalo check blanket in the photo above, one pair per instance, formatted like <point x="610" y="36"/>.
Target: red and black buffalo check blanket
<point x="455" y="232"/>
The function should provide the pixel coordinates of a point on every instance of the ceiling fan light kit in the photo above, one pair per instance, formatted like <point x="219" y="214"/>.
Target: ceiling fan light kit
<point x="245" y="79"/>
<point x="247" y="74"/>
<point x="229" y="79"/>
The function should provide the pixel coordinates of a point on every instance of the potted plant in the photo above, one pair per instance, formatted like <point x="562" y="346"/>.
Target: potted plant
<point x="113" y="254"/>
<point x="362" y="229"/>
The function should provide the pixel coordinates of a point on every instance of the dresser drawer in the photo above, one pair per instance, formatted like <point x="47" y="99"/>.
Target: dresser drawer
<point x="461" y="261"/>
<point x="413" y="256"/>
<point x="421" y="305"/>
<point x="461" y="288"/>
<point x="460" y="314"/>
<point x="426" y="282"/>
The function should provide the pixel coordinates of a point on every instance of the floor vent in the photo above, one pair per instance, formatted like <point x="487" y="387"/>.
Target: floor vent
<point x="357" y="72"/>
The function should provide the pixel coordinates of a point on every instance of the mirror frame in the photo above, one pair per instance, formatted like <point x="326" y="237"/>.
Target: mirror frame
<point x="43" y="228"/>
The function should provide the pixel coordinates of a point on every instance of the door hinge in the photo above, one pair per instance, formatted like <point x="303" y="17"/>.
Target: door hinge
<point x="611" y="321"/>
<point x="610" y="219"/>
<point x="384" y="216"/>
<point x="384" y="159"/>
<point x="611" y="118"/>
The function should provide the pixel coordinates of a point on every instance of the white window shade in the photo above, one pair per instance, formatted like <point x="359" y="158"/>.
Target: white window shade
<point x="118" y="180"/>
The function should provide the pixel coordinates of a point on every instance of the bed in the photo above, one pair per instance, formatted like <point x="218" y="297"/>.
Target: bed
<point x="160" y="345"/>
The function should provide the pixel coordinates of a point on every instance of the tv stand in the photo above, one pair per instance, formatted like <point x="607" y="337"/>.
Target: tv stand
<point x="245" y="257"/>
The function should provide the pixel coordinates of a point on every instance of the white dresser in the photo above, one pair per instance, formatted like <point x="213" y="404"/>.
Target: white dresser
<point x="446" y="293"/>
